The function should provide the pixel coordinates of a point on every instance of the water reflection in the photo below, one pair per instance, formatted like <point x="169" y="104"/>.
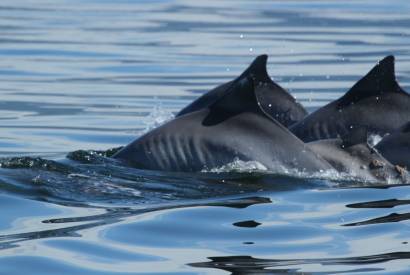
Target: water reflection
<point x="393" y="217"/>
<point x="248" y="224"/>
<point x="86" y="74"/>
<point x="115" y="215"/>
<point x="379" y="204"/>
<point x="249" y="265"/>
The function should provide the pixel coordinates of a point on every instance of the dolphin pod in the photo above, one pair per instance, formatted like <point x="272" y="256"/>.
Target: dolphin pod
<point x="254" y="119"/>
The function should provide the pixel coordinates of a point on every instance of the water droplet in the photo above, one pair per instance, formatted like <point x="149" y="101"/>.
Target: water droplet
<point x="227" y="69"/>
<point x="241" y="36"/>
<point x="270" y="105"/>
<point x="251" y="49"/>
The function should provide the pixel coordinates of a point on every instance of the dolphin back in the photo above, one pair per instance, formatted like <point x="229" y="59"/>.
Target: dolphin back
<point x="234" y="127"/>
<point x="376" y="101"/>
<point x="396" y="146"/>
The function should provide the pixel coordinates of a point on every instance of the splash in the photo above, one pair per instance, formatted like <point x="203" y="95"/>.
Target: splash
<point x="238" y="166"/>
<point x="158" y="116"/>
<point x="93" y="156"/>
<point x="373" y="139"/>
<point x="331" y="176"/>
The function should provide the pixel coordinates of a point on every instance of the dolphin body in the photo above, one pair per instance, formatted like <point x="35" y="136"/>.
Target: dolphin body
<point x="234" y="127"/>
<point x="352" y="155"/>
<point x="396" y="146"/>
<point x="272" y="98"/>
<point x="375" y="101"/>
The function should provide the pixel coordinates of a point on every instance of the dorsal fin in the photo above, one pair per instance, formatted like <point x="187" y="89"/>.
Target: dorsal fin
<point x="380" y="80"/>
<point x="257" y="68"/>
<point x="240" y="96"/>
<point x="357" y="135"/>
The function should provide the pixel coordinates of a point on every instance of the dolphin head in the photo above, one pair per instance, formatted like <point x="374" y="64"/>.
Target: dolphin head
<point x="395" y="147"/>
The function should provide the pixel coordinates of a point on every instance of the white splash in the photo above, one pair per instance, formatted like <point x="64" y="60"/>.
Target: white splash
<point x="332" y="176"/>
<point x="158" y="116"/>
<point x="373" y="139"/>
<point x="238" y="165"/>
<point x="241" y="166"/>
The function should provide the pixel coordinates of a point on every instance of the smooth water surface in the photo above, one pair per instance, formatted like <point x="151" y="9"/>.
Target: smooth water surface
<point x="95" y="74"/>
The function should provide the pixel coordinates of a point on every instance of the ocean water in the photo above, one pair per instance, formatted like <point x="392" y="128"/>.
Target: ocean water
<point x="84" y="75"/>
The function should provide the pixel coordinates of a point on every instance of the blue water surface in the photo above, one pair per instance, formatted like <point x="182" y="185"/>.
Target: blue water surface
<point x="80" y="75"/>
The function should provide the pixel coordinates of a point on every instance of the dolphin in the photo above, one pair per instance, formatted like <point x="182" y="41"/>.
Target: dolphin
<point x="396" y="146"/>
<point x="234" y="127"/>
<point x="375" y="101"/>
<point x="352" y="155"/>
<point x="272" y="98"/>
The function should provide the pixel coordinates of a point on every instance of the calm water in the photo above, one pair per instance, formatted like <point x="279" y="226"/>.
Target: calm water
<point x="94" y="74"/>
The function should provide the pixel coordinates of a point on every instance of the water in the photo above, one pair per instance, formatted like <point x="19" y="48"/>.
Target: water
<point x="93" y="75"/>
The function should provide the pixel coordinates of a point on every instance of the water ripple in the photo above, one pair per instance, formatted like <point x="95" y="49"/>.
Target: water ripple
<point x="80" y="77"/>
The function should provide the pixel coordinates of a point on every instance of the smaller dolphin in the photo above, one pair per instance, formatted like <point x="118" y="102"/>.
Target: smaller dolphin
<point x="396" y="147"/>
<point x="234" y="127"/>
<point x="375" y="101"/>
<point x="352" y="155"/>
<point x="272" y="98"/>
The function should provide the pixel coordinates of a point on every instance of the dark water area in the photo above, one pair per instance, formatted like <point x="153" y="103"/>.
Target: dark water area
<point x="84" y="75"/>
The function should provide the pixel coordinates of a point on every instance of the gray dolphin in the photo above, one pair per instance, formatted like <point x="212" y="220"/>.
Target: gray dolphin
<point x="352" y="155"/>
<point x="375" y="101"/>
<point x="272" y="98"/>
<point x="396" y="146"/>
<point x="234" y="127"/>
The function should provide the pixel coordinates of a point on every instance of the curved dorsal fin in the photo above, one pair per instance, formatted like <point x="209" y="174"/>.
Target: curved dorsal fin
<point x="380" y="80"/>
<point x="257" y="68"/>
<point x="240" y="96"/>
